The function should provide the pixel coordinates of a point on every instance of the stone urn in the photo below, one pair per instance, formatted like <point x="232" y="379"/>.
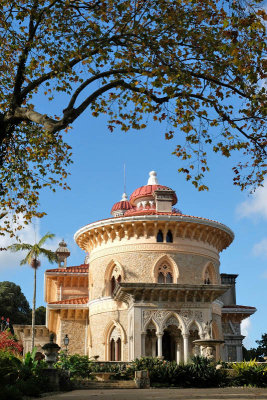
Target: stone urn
<point x="51" y="350"/>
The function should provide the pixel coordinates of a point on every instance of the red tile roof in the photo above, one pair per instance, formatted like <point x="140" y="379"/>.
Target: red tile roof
<point x="148" y="190"/>
<point x="78" y="300"/>
<point x="83" y="268"/>
<point x="121" y="205"/>
<point x="148" y="211"/>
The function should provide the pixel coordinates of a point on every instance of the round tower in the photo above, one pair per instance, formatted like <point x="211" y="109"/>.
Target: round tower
<point x="154" y="279"/>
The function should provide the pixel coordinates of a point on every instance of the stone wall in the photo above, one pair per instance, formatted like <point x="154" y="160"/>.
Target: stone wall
<point x="138" y="266"/>
<point x="76" y="331"/>
<point x="24" y="334"/>
<point x="100" y="325"/>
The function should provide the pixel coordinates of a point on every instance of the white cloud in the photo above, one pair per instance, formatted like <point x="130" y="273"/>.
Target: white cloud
<point x="255" y="205"/>
<point x="245" y="329"/>
<point x="260" y="248"/>
<point x="29" y="234"/>
<point x="264" y="275"/>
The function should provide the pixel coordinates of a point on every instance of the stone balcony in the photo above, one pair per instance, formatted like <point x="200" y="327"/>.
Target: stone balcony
<point x="169" y="293"/>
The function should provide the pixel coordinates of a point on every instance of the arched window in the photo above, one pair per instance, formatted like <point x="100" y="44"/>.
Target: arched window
<point x="114" y="278"/>
<point x="118" y="343"/>
<point x="165" y="274"/>
<point x="115" y="345"/>
<point x="160" y="236"/>
<point x="209" y="275"/>
<point x="161" y="278"/>
<point x="169" y="238"/>
<point x="113" y="282"/>
<point x="112" y="350"/>
<point x="169" y="278"/>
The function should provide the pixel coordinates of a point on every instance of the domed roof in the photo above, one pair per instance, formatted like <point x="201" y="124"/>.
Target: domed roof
<point x="149" y="189"/>
<point x="122" y="205"/>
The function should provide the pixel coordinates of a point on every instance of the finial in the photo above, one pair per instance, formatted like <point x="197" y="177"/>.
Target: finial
<point x="152" y="180"/>
<point x="124" y="197"/>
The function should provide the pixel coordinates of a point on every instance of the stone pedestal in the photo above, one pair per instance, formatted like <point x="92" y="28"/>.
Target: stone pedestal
<point x="52" y="376"/>
<point x="142" y="380"/>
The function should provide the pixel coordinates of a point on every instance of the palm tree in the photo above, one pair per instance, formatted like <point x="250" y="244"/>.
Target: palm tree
<point x="34" y="251"/>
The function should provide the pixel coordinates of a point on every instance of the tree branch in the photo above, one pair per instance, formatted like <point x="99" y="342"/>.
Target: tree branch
<point x="94" y="78"/>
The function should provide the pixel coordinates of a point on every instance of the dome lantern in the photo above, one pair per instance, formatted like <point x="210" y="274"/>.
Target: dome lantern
<point x="120" y="208"/>
<point x="62" y="253"/>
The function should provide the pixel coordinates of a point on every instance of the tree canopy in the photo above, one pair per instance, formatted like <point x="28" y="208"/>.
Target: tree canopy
<point x="40" y="313"/>
<point x="13" y="304"/>
<point x="259" y="352"/>
<point x="195" y="65"/>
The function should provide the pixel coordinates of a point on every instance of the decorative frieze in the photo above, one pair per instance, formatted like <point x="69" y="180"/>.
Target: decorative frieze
<point x="104" y="233"/>
<point x="182" y="319"/>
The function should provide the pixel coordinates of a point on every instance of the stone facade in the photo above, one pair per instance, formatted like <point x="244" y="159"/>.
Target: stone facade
<point x="153" y="286"/>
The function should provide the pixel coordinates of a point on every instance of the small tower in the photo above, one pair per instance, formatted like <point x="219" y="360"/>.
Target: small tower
<point x="62" y="253"/>
<point x="120" y="208"/>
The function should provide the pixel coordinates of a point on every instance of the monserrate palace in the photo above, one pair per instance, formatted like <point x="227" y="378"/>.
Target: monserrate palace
<point x="152" y="287"/>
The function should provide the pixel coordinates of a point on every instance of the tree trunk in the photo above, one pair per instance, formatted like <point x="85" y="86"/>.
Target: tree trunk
<point x="33" y="308"/>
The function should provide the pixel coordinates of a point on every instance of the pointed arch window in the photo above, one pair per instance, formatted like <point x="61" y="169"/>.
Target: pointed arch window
<point x="169" y="237"/>
<point x="165" y="274"/>
<point x="160" y="236"/>
<point x="161" y="278"/>
<point x="209" y="275"/>
<point x="113" y="284"/>
<point x="115" y="278"/>
<point x="112" y="350"/>
<point x="115" y="345"/>
<point x="169" y="278"/>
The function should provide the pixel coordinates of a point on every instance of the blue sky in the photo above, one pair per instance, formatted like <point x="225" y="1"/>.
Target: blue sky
<point x="97" y="183"/>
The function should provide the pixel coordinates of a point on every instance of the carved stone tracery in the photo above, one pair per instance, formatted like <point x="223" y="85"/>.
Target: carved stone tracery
<point x="172" y="321"/>
<point x="115" y="334"/>
<point x="161" y="320"/>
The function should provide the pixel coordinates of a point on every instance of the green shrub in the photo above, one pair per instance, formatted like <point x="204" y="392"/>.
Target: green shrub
<point x="9" y="392"/>
<point x="203" y="373"/>
<point x="79" y="366"/>
<point x="250" y="373"/>
<point x="9" y="367"/>
<point x="198" y="373"/>
<point x="29" y="387"/>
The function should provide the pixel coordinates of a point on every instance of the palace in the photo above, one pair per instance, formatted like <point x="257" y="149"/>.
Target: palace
<point x="150" y="285"/>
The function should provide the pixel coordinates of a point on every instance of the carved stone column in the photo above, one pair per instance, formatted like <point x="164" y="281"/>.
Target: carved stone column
<point x="185" y="337"/>
<point x="159" y="336"/>
<point x="178" y="351"/>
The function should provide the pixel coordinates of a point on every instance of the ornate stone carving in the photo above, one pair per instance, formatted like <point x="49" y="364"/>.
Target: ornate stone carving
<point x="158" y="316"/>
<point x="187" y="316"/>
<point x="198" y="316"/>
<point x="115" y="334"/>
<point x="171" y="321"/>
<point x="207" y="330"/>
<point x="151" y="326"/>
<point x="146" y="316"/>
<point x="116" y="272"/>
